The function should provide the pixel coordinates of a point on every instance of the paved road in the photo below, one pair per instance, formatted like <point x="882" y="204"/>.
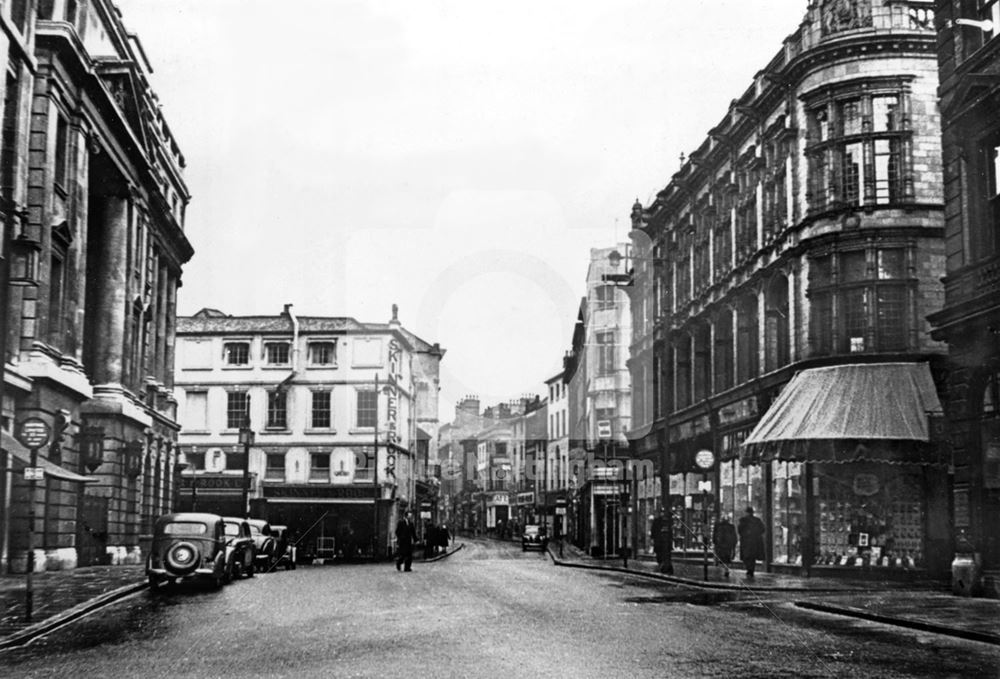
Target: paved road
<point x="489" y="610"/>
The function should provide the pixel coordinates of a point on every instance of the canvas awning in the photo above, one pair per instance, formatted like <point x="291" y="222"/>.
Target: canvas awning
<point x="868" y="411"/>
<point x="19" y="452"/>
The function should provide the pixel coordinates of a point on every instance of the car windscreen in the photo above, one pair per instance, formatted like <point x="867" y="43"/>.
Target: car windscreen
<point x="232" y="529"/>
<point x="532" y="530"/>
<point x="254" y="530"/>
<point x="185" y="528"/>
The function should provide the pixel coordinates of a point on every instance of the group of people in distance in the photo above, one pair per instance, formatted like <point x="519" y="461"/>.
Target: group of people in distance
<point x="435" y="537"/>
<point x="749" y="534"/>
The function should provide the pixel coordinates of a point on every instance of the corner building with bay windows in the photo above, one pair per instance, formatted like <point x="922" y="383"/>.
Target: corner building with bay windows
<point x="781" y="284"/>
<point x="343" y="416"/>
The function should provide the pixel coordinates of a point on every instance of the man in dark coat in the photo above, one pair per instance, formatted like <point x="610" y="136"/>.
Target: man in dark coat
<point x="724" y="541"/>
<point x="751" y="541"/>
<point x="406" y="535"/>
<point x="662" y="532"/>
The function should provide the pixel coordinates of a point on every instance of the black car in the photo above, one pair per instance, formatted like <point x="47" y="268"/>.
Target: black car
<point x="188" y="546"/>
<point x="534" y="537"/>
<point x="284" y="548"/>
<point x="260" y="531"/>
<point x="241" y="552"/>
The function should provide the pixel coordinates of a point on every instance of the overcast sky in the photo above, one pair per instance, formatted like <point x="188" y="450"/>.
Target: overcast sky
<point x="458" y="158"/>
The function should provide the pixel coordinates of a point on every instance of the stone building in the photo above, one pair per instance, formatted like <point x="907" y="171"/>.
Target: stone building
<point x="93" y="219"/>
<point x="784" y="276"/>
<point x="969" y="60"/>
<point x="330" y="411"/>
<point x="600" y="409"/>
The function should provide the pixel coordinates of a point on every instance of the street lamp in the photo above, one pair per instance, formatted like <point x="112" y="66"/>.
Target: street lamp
<point x="246" y="439"/>
<point x="705" y="459"/>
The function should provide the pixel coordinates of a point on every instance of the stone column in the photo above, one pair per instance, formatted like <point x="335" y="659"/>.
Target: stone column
<point x="170" y="336"/>
<point x="110" y="304"/>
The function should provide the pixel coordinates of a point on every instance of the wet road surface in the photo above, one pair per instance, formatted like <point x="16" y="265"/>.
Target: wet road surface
<point x="488" y="610"/>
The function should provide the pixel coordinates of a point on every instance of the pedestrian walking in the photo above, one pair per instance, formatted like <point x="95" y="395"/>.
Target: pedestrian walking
<point x="443" y="537"/>
<point x="662" y="532"/>
<point x="724" y="541"/>
<point x="751" y="531"/>
<point x="406" y="535"/>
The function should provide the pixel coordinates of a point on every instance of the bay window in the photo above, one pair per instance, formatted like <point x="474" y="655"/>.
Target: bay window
<point x="857" y="142"/>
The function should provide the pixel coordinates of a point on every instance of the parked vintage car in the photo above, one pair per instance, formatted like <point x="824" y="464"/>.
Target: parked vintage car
<point x="534" y="537"/>
<point x="241" y="551"/>
<point x="284" y="548"/>
<point x="260" y="531"/>
<point x="187" y="546"/>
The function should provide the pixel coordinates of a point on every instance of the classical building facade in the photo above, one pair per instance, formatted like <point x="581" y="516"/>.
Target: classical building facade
<point x="93" y="217"/>
<point x="783" y="279"/>
<point x="969" y="60"/>
<point x="328" y="409"/>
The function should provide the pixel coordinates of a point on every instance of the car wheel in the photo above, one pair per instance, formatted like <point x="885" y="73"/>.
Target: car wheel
<point x="154" y="582"/>
<point x="250" y="569"/>
<point x="182" y="558"/>
<point x="232" y="572"/>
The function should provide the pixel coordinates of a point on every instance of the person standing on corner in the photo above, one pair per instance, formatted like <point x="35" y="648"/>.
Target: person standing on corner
<point x="751" y="531"/>
<point x="406" y="535"/>
<point x="662" y="532"/>
<point x="724" y="541"/>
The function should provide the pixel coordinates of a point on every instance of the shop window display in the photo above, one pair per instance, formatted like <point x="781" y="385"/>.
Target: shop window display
<point x="740" y="487"/>
<point x="869" y="515"/>
<point x="789" y="506"/>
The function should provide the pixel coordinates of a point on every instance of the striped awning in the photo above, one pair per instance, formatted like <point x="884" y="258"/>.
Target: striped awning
<point x="843" y="413"/>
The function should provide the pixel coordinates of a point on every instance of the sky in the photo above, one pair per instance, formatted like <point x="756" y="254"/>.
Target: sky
<point x="457" y="158"/>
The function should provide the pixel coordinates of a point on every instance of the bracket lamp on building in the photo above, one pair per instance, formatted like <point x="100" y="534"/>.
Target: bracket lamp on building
<point x="24" y="252"/>
<point x="985" y="25"/>
<point x="91" y="442"/>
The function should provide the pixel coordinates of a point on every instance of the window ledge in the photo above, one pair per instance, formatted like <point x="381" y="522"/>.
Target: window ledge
<point x="275" y="366"/>
<point x="240" y="366"/>
<point x="321" y="366"/>
<point x="361" y="430"/>
<point x="320" y="430"/>
<point x="276" y="430"/>
<point x="319" y="481"/>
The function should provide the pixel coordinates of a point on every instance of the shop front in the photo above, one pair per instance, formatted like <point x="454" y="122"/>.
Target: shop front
<point x="845" y="472"/>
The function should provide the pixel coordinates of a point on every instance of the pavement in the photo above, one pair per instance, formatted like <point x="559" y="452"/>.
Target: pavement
<point x="928" y="606"/>
<point x="63" y="596"/>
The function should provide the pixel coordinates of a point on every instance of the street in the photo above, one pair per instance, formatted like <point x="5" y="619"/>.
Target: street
<point x="488" y="610"/>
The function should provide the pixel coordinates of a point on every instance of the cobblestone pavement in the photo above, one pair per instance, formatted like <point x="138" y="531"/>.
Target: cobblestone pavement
<point x="57" y="592"/>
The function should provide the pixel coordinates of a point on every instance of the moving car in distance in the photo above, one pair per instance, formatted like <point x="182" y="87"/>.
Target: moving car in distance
<point x="187" y="546"/>
<point x="534" y="537"/>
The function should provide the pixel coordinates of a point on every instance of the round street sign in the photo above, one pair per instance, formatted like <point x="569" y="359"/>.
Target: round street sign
<point x="34" y="432"/>
<point x="704" y="458"/>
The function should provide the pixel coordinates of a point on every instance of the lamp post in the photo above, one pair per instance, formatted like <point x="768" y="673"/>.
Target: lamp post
<point x="704" y="459"/>
<point x="246" y="438"/>
<point x="34" y="433"/>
